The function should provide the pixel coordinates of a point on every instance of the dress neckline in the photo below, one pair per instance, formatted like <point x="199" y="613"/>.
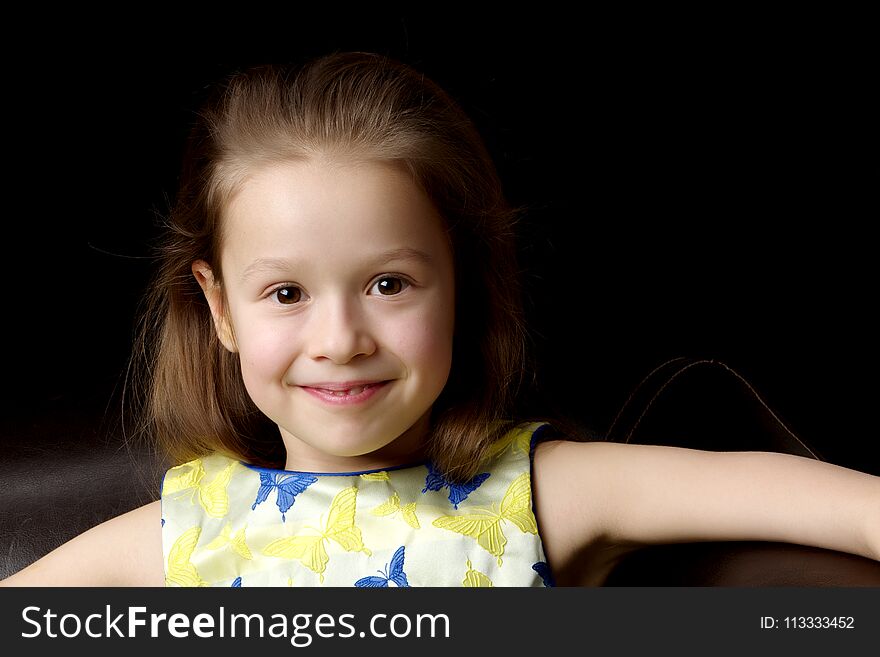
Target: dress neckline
<point x="423" y="462"/>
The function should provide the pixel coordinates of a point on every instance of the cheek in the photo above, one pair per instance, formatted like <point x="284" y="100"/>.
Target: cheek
<point x="264" y="354"/>
<point x="426" y="339"/>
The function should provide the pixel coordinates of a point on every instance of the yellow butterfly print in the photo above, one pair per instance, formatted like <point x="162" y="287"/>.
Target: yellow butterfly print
<point x="408" y="511"/>
<point x="180" y="570"/>
<point x="485" y="525"/>
<point x="340" y="528"/>
<point x="212" y="496"/>
<point x="475" y="577"/>
<point x="191" y="474"/>
<point x="519" y="439"/>
<point x="239" y="546"/>
<point x="376" y="476"/>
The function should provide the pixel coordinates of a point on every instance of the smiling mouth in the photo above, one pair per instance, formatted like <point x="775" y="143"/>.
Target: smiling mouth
<point x="352" y="395"/>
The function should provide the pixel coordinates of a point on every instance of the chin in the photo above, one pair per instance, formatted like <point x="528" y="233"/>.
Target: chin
<point x="348" y="444"/>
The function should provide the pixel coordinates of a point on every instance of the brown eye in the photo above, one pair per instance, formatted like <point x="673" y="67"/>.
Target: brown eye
<point x="391" y="285"/>
<point x="288" y="295"/>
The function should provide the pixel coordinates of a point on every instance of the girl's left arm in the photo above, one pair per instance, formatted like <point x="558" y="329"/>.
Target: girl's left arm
<point x="626" y="494"/>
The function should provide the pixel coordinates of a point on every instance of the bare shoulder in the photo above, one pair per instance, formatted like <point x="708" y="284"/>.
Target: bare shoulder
<point x="123" y="551"/>
<point x="569" y="475"/>
<point x="571" y="500"/>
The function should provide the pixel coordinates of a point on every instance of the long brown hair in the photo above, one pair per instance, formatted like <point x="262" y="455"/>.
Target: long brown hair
<point x="364" y="106"/>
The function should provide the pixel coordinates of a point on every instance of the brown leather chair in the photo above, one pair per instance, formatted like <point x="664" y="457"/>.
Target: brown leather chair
<point x="63" y="470"/>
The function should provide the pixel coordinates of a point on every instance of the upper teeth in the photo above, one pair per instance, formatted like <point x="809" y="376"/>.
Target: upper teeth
<point x="351" y="391"/>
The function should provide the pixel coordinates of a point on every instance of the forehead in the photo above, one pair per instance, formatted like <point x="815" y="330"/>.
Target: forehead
<point x="328" y="210"/>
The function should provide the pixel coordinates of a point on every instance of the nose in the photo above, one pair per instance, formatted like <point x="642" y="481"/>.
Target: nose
<point x="339" y="331"/>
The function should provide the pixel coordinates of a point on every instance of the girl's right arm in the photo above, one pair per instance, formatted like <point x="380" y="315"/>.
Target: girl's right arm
<point x="123" y="551"/>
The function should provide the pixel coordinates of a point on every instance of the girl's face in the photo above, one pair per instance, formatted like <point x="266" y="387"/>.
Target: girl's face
<point x="336" y="273"/>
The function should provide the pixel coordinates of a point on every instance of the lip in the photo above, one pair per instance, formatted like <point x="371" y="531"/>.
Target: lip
<point x="348" y="400"/>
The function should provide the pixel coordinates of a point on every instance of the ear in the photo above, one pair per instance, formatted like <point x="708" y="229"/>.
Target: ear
<point x="214" y="294"/>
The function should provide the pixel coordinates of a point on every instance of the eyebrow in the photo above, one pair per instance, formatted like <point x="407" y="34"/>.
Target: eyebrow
<point x="276" y="264"/>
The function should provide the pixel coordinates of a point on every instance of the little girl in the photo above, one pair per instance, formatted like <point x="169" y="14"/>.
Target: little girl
<point x="332" y="353"/>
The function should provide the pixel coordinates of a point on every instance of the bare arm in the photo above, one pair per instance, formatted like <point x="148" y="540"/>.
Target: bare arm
<point x="622" y="494"/>
<point x="124" y="551"/>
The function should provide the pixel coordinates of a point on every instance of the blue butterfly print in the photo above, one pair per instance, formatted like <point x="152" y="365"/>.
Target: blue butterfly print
<point x="544" y="571"/>
<point x="457" y="492"/>
<point x="393" y="573"/>
<point x="237" y="583"/>
<point x="288" y="485"/>
<point x="163" y="522"/>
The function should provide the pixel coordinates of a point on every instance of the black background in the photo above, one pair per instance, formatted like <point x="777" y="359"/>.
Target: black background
<point x="700" y="186"/>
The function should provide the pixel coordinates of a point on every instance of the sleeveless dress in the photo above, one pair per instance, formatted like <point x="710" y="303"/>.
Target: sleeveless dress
<point x="227" y="523"/>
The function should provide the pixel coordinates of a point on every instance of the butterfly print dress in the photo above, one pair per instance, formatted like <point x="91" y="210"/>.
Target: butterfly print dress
<point x="226" y="523"/>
